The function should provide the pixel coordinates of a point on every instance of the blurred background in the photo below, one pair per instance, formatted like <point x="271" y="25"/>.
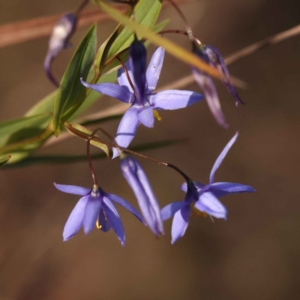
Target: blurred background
<point x="255" y="254"/>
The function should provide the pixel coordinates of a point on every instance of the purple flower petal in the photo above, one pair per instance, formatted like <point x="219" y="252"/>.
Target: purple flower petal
<point x="114" y="219"/>
<point x="221" y="157"/>
<point x="211" y="95"/>
<point x="221" y="189"/>
<point x="137" y="59"/>
<point x="173" y="99"/>
<point x="105" y="225"/>
<point x="180" y="223"/>
<point x="111" y="89"/>
<point x="154" y="68"/>
<point x="75" y="219"/>
<point x="72" y="189"/>
<point x="217" y="61"/>
<point x="91" y="214"/>
<point x="127" y="129"/>
<point x="211" y="205"/>
<point x="122" y="77"/>
<point x="139" y="183"/>
<point x="197" y="184"/>
<point x="169" y="210"/>
<point x="125" y="204"/>
<point x="146" y="116"/>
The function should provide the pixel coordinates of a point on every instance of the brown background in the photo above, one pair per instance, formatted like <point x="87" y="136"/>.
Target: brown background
<point x="253" y="255"/>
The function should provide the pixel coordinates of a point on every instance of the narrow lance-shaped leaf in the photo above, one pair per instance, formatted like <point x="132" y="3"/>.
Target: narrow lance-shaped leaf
<point x="84" y="133"/>
<point x="72" y="93"/>
<point x="10" y="127"/>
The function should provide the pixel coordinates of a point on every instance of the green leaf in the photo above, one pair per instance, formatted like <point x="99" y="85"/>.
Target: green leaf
<point x="43" y="106"/>
<point x="84" y="133"/>
<point x="174" y="49"/>
<point x="4" y="160"/>
<point x="72" y="93"/>
<point x="68" y="159"/>
<point x="145" y="12"/>
<point x="12" y="126"/>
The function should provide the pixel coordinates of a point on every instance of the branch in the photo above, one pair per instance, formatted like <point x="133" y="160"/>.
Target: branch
<point x="20" y="32"/>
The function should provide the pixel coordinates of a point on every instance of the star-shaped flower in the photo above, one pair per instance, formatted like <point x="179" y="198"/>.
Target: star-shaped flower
<point x="95" y="207"/>
<point x="142" y="98"/>
<point x="202" y="198"/>
<point x="213" y="57"/>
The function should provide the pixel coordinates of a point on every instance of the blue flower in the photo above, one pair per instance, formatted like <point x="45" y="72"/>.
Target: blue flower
<point x="143" y="99"/>
<point x="138" y="181"/>
<point x="95" y="207"/>
<point x="202" y="198"/>
<point x="213" y="57"/>
<point x="59" y="40"/>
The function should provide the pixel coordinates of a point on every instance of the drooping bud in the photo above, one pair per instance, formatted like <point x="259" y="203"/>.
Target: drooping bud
<point x="59" y="40"/>
<point x="138" y="65"/>
<point x="138" y="181"/>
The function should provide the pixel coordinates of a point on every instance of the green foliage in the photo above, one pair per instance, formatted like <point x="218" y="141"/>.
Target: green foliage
<point x="72" y="93"/>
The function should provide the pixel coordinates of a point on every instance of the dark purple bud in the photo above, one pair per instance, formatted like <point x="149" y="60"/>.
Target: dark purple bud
<point x="59" y="40"/>
<point x="138" y="63"/>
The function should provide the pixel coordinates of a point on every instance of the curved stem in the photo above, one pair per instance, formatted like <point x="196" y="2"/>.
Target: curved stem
<point x="187" y="25"/>
<point x="182" y="32"/>
<point x="126" y="72"/>
<point x="90" y="158"/>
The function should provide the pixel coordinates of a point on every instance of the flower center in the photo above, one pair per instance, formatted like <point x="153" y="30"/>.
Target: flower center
<point x="198" y="213"/>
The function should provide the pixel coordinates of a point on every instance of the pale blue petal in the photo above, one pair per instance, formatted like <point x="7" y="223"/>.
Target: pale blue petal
<point x="221" y="189"/>
<point x="154" y="68"/>
<point x="180" y="223"/>
<point x="75" y="219"/>
<point x="169" y="210"/>
<point x="114" y="219"/>
<point x="174" y="99"/>
<point x="91" y="214"/>
<point x="122" y="77"/>
<point x="221" y="157"/>
<point x="125" y="204"/>
<point x="146" y="199"/>
<point x="211" y="95"/>
<point x="105" y="225"/>
<point x="146" y="116"/>
<point x="211" y="205"/>
<point x="72" y="189"/>
<point x="127" y="129"/>
<point x="113" y="90"/>
<point x="152" y="199"/>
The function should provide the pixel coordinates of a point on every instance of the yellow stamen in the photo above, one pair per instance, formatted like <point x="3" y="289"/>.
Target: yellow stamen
<point x="156" y="115"/>
<point x="198" y="213"/>
<point x="98" y="225"/>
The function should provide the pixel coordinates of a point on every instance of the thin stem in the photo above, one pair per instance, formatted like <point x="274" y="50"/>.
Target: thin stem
<point x="89" y="156"/>
<point x="126" y="72"/>
<point x="81" y="7"/>
<point x="187" y="25"/>
<point x="182" y="32"/>
<point x="115" y="144"/>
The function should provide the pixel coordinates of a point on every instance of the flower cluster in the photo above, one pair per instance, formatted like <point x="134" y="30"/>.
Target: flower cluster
<point x="136" y="86"/>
